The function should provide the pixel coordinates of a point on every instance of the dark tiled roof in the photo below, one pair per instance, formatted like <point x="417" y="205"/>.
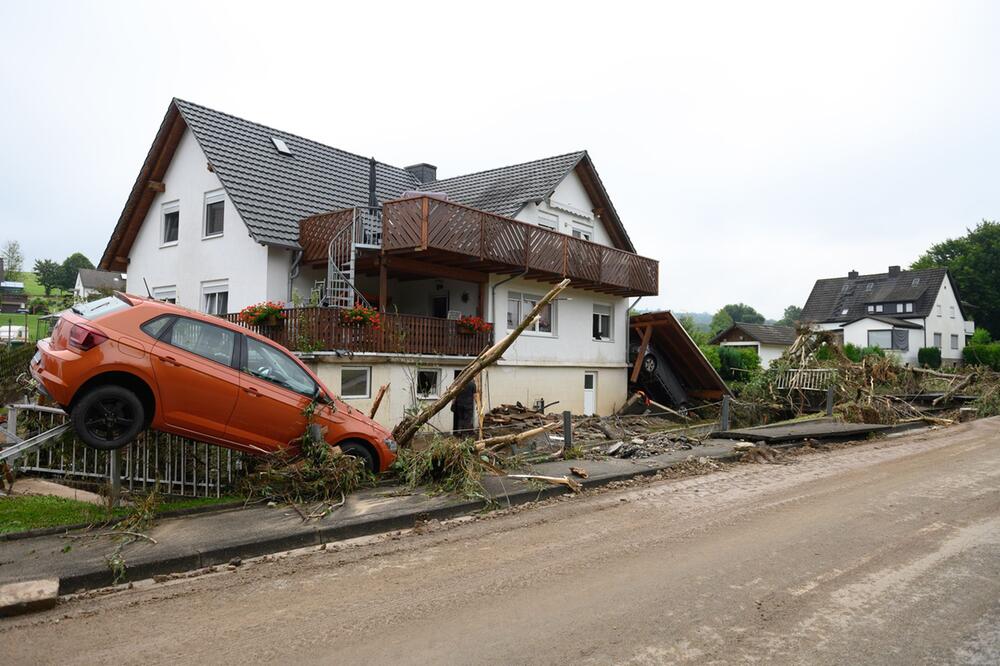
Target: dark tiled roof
<point x="832" y="296"/>
<point x="504" y="191"/>
<point x="273" y="191"/>
<point x="94" y="279"/>
<point x="766" y="334"/>
<point x="890" y="321"/>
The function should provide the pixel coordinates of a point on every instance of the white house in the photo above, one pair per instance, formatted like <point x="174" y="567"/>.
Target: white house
<point x="900" y="311"/>
<point x="769" y="340"/>
<point x="90" y="281"/>
<point x="226" y="213"/>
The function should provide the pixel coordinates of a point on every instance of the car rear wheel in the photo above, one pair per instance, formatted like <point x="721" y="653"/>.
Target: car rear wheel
<point x="108" y="417"/>
<point x="361" y="452"/>
<point x="649" y="364"/>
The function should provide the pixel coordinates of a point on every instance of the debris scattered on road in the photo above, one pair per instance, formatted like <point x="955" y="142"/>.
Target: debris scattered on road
<point x="570" y="483"/>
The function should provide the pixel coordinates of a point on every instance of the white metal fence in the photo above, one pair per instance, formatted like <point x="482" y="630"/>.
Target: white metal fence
<point x="180" y="466"/>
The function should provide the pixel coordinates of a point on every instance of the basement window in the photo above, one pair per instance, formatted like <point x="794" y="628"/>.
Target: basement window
<point x="428" y="383"/>
<point x="355" y="382"/>
<point x="281" y="146"/>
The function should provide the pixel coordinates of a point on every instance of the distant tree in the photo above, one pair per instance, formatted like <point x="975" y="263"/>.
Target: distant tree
<point x="792" y="314"/>
<point x="735" y="313"/>
<point x="49" y="273"/>
<point x="697" y="333"/>
<point x="974" y="262"/>
<point x="13" y="259"/>
<point x="70" y="267"/>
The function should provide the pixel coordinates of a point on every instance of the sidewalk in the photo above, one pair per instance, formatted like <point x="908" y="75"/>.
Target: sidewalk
<point x="191" y="542"/>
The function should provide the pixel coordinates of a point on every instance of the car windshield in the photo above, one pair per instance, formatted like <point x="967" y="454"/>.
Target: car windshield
<point x="101" y="307"/>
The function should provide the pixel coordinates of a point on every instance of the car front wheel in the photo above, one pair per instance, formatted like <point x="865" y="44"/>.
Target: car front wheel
<point x="108" y="417"/>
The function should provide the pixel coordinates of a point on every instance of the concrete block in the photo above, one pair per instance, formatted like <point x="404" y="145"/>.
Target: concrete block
<point x="28" y="597"/>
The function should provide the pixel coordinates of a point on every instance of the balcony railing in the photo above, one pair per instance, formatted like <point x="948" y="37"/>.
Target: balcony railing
<point x="321" y="329"/>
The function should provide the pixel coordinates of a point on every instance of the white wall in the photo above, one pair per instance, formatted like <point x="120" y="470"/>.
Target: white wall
<point x="945" y="324"/>
<point x="571" y="342"/>
<point x="234" y="256"/>
<point x="857" y="334"/>
<point x="571" y="205"/>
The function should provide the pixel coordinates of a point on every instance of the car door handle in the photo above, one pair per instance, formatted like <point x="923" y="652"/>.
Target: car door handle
<point x="170" y="360"/>
<point x="252" y="391"/>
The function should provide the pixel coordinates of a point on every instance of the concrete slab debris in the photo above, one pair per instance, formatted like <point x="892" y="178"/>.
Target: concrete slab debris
<point x="28" y="596"/>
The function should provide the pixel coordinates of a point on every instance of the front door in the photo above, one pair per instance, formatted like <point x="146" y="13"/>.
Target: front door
<point x="589" y="393"/>
<point x="196" y="378"/>
<point x="274" y="391"/>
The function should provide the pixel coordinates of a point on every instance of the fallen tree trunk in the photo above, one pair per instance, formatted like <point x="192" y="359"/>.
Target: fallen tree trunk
<point x="506" y="440"/>
<point x="378" y="400"/>
<point x="572" y="484"/>
<point x="947" y="395"/>
<point x="409" y="426"/>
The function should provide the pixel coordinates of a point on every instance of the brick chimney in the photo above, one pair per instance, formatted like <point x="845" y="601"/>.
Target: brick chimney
<point x="853" y="275"/>
<point x="423" y="172"/>
<point x="893" y="270"/>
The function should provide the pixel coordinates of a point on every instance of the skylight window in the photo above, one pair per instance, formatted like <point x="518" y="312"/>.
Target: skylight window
<point x="871" y="285"/>
<point x="916" y="281"/>
<point x="281" y="146"/>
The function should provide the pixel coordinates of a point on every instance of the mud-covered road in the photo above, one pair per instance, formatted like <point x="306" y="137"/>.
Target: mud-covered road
<point x="886" y="552"/>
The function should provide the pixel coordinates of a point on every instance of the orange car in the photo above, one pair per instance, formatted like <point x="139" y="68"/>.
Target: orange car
<point x="124" y="363"/>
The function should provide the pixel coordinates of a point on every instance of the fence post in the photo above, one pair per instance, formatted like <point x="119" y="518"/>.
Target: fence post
<point x="567" y="430"/>
<point x="829" y="400"/>
<point x="724" y="416"/>
<point x="12" y="424"/>
<point x="115" y="482"/>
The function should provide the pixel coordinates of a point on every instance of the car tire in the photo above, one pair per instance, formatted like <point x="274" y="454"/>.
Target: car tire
<point x="108" y="417"/>
<point x="649" y="364"/>
<point x="359" y="451"/>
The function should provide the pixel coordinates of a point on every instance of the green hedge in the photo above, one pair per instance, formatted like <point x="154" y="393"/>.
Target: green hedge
<point x="929" y="357"/>
<point x="736" y="363"/>
<point x="983" y="354"/>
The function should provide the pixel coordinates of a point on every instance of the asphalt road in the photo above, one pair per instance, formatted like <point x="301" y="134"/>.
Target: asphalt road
<point x="886" y="552"/>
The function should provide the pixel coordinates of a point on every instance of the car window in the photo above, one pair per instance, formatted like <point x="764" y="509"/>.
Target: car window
<point x="266" y="362"/>
<point x="154" y="327"/>
<point x="212" y="342"/>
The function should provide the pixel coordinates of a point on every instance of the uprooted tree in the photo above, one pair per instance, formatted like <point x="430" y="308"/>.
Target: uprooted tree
<point x="409" y="426"/>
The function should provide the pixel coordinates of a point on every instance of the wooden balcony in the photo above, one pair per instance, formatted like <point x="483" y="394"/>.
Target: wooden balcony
<point x="443" y="233"/>
<point x="321" y="329"/>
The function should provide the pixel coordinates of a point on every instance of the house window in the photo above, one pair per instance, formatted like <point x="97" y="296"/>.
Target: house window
<point x="881" y="339"/>
<point x="581" y="233"/>
<point x="171" y="223"/>
<point x="844" y="311"/>
<point x="916" y="281"/>
<point x="165" y="294"/>
<point x="878" y="308"/>
<point x="938" y="308"/>
<point x="954" y="341"/>
<point x="518" y="307"/>
<point x="355" y="382"/>
<point x="602" y="321"/>
<point x="428" y="383"/>
<point x="937" y="340"/>
<point x="871" y="308"/>
<point x="215" y="297"/>
<point x="869" y="286"/>
<point x="215" y="210"/>
<point x="548" y="220"/>
<point x="909" y="307"/>
<point x="951" y="311"/>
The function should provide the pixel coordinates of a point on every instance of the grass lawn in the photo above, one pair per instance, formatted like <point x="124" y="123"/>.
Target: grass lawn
<point x="31" y="286"/>
<point x="32" y="512"/>
<point x="35" y="330"/>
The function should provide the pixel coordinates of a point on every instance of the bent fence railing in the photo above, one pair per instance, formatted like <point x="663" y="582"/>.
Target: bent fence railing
<point x="175" y="465"/>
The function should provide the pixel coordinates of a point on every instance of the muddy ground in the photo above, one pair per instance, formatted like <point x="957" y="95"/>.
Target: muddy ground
<point x="884" y="552"/>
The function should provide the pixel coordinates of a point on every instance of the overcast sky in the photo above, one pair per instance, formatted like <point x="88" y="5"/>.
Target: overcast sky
<point x="750" y="147"/>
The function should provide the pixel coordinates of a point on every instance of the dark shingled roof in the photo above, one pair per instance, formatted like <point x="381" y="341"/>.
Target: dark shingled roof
<point x="831" y="296"/>
<point x="273" y="191"/>
<point x="506" y="190"/>
<point x="92" y="278"/>
<point x="765" y="334"/>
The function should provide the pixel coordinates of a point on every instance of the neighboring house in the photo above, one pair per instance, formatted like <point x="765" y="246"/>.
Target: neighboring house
<point x="226" y="213"/>
<point x="899" y="311"/>
<point x="12" y="296"/>
<point x="90" y="281"/>
<point x="770" y="340"/>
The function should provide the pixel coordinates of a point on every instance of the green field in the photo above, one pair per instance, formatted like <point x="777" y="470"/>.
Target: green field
<point x="36" y="330"/>
<point x="31" y="286"/>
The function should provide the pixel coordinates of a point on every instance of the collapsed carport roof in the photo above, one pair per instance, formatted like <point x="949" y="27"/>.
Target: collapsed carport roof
<point x="685" y="358"/>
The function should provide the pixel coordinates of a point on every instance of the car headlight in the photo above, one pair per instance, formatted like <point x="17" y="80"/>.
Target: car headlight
<point x="390" y="444"/>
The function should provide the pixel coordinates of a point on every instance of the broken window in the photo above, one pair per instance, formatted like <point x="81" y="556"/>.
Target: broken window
<point x="428" y="383"/>
<point x="355" y="382"/>
<point x="602" y="321"/>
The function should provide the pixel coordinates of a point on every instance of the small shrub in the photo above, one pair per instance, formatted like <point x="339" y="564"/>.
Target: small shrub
<point x="929" y="357"/>
<point x="987" y="354"/>
<point x="737" y="363"/>
<point x="872" y="351"/>
<point x="711" y="353"/>
<point x="981" y="337"/>
<point x="853" y="352"/>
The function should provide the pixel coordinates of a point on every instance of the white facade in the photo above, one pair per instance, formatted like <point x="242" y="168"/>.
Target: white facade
<point x="944" y="327"/>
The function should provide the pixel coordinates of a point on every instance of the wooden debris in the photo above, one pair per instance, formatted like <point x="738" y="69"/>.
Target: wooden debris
<point x="378" y="400"/>
<point x="570" y="483"/>
<point x="506" y="440"/>
<point x="580" y="472"/>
